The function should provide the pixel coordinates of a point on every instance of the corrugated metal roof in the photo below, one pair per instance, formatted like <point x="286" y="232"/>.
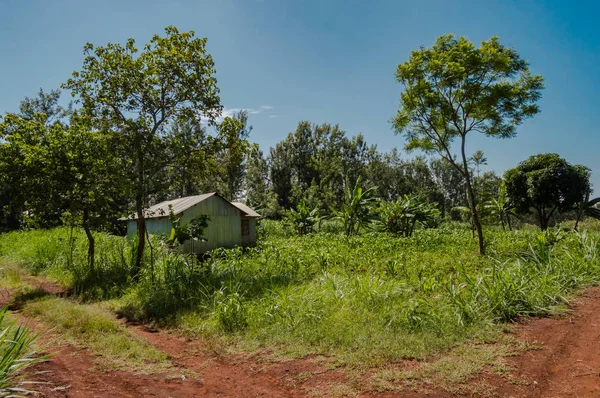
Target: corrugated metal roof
<point x="179" y="205"/>
<point x="249" y="212"/>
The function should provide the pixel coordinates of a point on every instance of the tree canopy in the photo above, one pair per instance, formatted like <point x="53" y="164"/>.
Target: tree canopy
<point x="454" y="88"/>
<point x="139" y="94"/>
<point x="546" y="183"/>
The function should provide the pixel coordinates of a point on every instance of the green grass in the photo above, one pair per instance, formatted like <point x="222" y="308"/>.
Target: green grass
<point x="367" y="300"/>
<point x="96" y="329"/>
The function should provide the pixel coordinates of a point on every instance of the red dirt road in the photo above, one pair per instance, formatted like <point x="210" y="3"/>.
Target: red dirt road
<point x="567" y="365"/>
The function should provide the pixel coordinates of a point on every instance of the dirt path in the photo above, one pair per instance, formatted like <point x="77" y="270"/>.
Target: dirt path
<point x="568" y="361"/>
<point x="566" y="365"/>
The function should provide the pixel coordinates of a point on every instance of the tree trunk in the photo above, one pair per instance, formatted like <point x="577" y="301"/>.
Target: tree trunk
<point x="141" y="235"/>
<point x="579" y="214"/>
<point x="508" y="222"/>
<point x="472" y="200"/>
<point x="90" y="238"/>
<point x="139" y="208"/>
<point x="543" y="220"/>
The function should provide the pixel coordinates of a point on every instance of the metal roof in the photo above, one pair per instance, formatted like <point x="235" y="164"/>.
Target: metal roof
<point x="181" y="204"/>
<point x="249" y="212"/>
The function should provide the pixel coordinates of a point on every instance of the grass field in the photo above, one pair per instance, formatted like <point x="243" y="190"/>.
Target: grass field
<point x="370" y="299"/>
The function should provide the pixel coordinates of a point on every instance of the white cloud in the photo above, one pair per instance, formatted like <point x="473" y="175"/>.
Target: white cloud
<point x="229" y="112"/>
<point x="273" y="116"/>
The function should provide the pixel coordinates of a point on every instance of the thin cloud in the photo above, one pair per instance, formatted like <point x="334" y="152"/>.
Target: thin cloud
<point x="230" y="112"/>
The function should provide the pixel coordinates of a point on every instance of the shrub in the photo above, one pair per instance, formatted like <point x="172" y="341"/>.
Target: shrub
<point x="401" y="217"/>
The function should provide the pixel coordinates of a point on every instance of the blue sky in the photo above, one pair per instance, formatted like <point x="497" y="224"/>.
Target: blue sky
<point x="328" y="61"/>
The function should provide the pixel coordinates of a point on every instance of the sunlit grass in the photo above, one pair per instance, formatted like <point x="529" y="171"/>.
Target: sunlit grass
<point x="94" y="328"/>
<point x="369" y="299"/>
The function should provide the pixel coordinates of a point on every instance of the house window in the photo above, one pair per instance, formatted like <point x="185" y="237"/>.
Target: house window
<point x="245" y="227"/>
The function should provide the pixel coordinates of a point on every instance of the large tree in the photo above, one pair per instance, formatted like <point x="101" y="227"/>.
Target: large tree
<point x="546" y="184"/>
<point x="454" y="88"/>
<point x="139" y="94"/>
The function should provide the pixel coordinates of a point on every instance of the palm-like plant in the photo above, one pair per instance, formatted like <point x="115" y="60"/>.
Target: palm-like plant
<point x="16" y="354"/>
<point x="356" y="211"/>
<point x="401" y="217"/>
<point x="588" y="208"/>
<point x="501" y="208"/>
<point x="303" y="219"/>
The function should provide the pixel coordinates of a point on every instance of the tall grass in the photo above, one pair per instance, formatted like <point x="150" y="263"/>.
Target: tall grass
<point x="371" y="297"/>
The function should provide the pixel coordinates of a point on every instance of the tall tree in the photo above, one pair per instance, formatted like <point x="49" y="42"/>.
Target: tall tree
<point x="139" y="93"/>
<point x="454" y="88"/>
<point x="546" y="184"/>
<point x="234" y="132"/>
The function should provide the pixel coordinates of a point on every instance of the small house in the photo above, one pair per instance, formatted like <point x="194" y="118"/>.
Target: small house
<point x="231" y="223"/>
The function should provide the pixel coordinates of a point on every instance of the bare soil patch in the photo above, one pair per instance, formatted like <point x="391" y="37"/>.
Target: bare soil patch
<point x="567" y="363"/>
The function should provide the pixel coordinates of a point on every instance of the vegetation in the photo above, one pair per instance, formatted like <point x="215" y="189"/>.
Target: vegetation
<point x="94" y="328"/>
<point x="546" y="184"/>
<point x="16" y="355"/>
<point x="402" y="216"/>
<point x="373" y="261"/>
<point x="454" y="88"/>
<point x="372" y="297"/>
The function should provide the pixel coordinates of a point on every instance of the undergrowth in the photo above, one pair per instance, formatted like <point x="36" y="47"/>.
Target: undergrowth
<point x="368" y="299"/>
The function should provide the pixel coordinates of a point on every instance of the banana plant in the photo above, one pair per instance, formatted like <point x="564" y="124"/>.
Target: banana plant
<point x="357" y="209"/>
<point x="501" y="208"/>
<point x="587" y="208"/>
<point x="303" y="219"/>
<point x="401" y="217"/>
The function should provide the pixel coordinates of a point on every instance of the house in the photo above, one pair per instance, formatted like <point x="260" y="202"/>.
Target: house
<point x="231" y="223"/>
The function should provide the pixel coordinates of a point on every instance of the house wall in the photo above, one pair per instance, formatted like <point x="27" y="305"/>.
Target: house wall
<point x="224" y="228"/>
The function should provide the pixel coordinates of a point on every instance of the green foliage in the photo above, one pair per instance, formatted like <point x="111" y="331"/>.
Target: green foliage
<point x="500" y="208"/>
<point x="546" y="183"/>
<point x="366" y="298"/>
<point x="454" y="88"/>
<point x="401" y="217"/>
<point x="16" y="354"/>
<point x="138" y="94"/>
<point x="356" y="211"/>
<point x="192" y="230"/>
<point x="313" y="163"/>
<point x="303" y="219"/>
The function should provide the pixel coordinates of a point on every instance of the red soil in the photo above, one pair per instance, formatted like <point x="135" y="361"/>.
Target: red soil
<point x="568" y="364"/>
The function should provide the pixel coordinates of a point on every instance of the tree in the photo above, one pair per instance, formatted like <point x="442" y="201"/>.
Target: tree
<point x="546" y="184"/>
<point x="62" y="167"/>
<point x="453" y="89"/>
<point x="20" y="180"/>
<point x="478" y="159"/>
<point x="450" y="183"/>
<point x="259" y="193"/>
<point x="139" y="94"/>
<point x="234" y="132"/>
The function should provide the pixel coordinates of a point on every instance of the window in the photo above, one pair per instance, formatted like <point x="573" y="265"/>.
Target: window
<point x="245" y="227"/>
